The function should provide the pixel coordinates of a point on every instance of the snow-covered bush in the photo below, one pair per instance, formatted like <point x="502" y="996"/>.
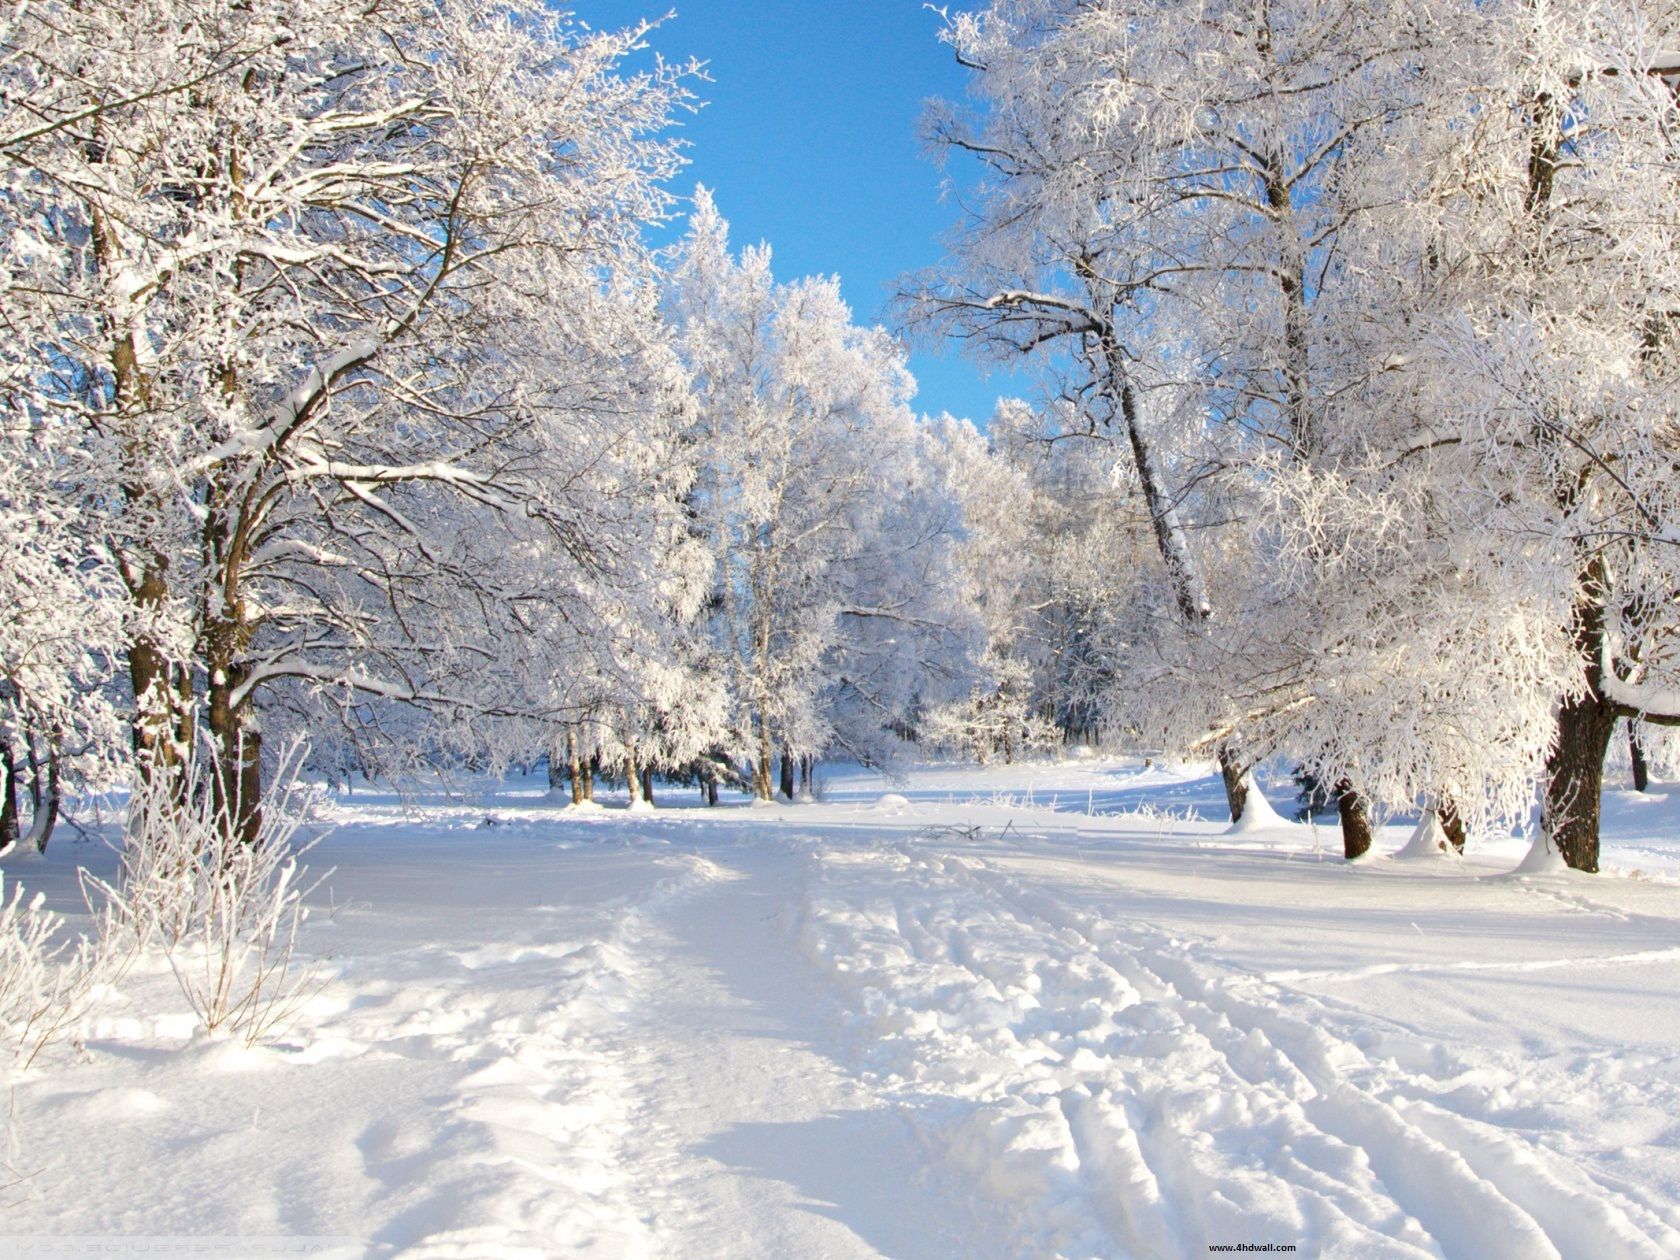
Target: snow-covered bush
<point x="224" y="911"/>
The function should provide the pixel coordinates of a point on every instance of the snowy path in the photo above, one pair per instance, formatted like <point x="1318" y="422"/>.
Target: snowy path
<point x="756" y="1139"/>
<point x="938" y="1026"/>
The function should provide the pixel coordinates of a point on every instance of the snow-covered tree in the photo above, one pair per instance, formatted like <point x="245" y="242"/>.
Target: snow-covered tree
<point x="825" y="543"/>
<point x="59" y="640"/>
<point x="1322" y="266"/>
<point x="1554" y="349"/>
<point x="332" y="302"/>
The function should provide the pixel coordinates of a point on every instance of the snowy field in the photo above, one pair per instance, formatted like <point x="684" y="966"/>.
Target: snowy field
<point x="1047" y="1011"/>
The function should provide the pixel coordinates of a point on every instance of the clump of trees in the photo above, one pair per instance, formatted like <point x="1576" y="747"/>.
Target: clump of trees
<point x="1376" y="306"/>
<point x="344" y="398"/>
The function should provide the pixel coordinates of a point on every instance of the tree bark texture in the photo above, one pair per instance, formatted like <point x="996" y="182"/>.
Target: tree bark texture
<point x="1356" y="820"/>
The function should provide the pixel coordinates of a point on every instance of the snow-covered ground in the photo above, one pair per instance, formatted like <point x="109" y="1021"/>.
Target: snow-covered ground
<point x="1007" y="1012"/>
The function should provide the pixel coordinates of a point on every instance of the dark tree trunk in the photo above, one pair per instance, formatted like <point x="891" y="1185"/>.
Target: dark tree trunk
<point x="1356" y="820"/>
<point x="1452" y="824"/>
<point x="711" y="791"/>
<point x="1569" y="809"/>
<point x="1233" y="772"/>
<point x="591" y="768"/>
<point x="8" y="795"/>
<point x="1575" y="778"/>
<point x="236" y="777"/>
<point x="787" y="773"/>
<point x="162" y="730"/>
<point x="556" y="772"/>
<point x="807" y="772"/>
<point x="647" y="785"/>
<point x="1636" y="754"/>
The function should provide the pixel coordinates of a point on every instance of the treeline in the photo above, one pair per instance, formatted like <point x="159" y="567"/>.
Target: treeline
<point x="345" y="400"/>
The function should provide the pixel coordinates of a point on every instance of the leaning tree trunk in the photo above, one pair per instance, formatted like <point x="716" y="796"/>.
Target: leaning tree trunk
<point x="1636" y="754"/>
<point x="1174" y="548"/>
<point x="1356" y="820"/>
<point x="1452" y="822"/>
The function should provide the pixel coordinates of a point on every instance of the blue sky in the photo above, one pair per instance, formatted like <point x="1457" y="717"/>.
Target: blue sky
<point x="809" y="139"/>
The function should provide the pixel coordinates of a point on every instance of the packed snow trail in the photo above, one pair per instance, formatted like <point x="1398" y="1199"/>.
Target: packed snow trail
<point x="756" y="1138"/>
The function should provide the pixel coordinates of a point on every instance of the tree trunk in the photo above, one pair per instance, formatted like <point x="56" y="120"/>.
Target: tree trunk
<point x="711" y="791"/>
<point x="591" y="768"/>
<point x="1356" y="820"/>
<point x="8" y="796"/>
<point x="1636" y="754"/>
<point x="1575" y="778"/>
<point x="647" y="784"/>
<point x="632" y="774"/>
<point x="1569" y="809"/>
<point x="574" y="767"/>
<point x="787" y="773"/>
<point x="763" y="788"/>
<point x="1235" y="775"/>
<point x="1182" y="573"/>
<point x="807" y="772"/>
<point x="236" y="775"/>
<point x="161" y="729"/>
<point x="44" y="790"/>
<point x="1452" y="823"/>
<point x="556" y="771"/>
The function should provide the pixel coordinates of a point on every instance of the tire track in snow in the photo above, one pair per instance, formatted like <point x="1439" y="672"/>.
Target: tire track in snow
<point x="755" y="1139"/>
<point x="1082" y="1098"/>
<point x="1479" y="1188"/>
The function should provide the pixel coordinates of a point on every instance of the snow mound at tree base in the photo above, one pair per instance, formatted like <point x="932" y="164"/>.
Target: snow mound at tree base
<point x="1543" y="859"/>
<point x="1258" y="814"/>
<point x="1428" y="840"/>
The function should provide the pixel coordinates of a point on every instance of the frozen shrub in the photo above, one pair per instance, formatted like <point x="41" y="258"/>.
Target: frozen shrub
<point x="45" y="982"/>
<point x="224" y="911"/>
